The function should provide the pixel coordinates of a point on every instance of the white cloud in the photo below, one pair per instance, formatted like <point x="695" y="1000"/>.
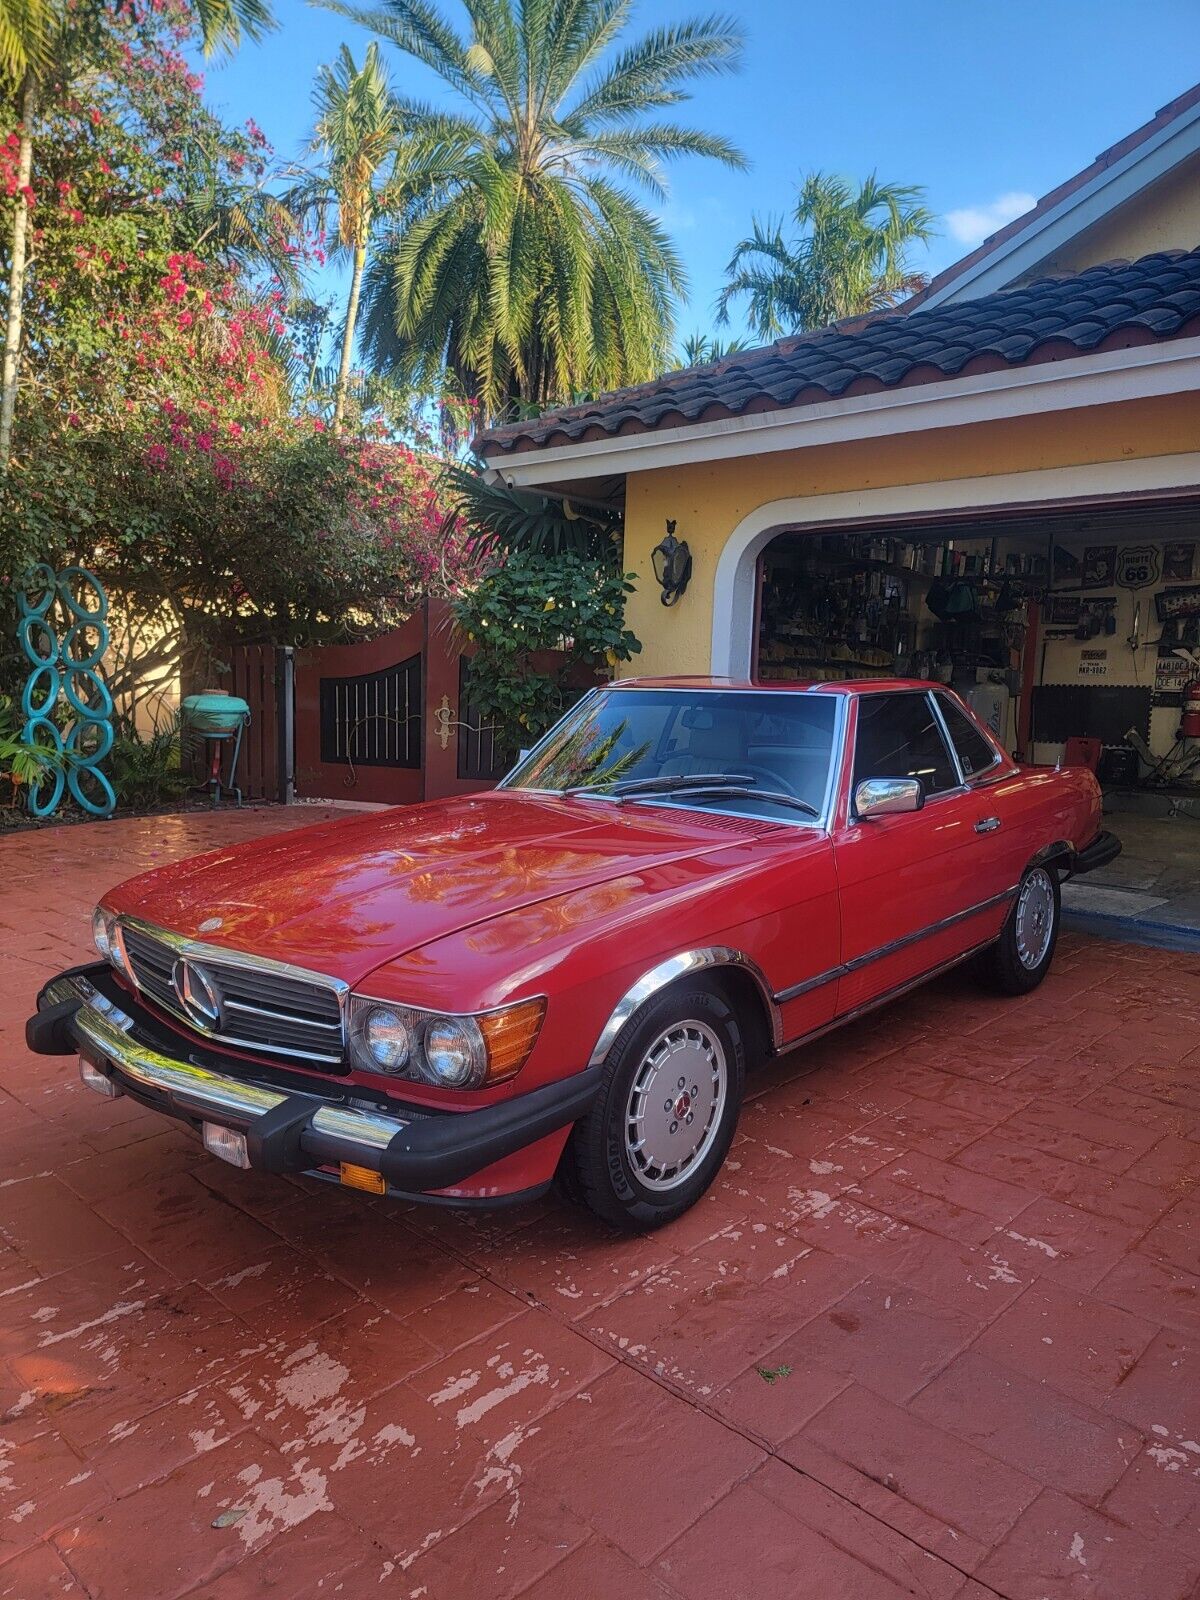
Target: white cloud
<point x="973" y="224"/>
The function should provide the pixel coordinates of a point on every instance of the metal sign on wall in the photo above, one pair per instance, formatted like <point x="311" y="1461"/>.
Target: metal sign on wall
<point x="1138" y="566"/>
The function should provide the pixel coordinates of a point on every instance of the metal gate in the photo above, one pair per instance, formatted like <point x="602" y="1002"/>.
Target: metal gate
<point x="385" y="720"/>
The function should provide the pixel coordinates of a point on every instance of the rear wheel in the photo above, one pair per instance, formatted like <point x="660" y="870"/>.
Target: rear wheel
<point x="1021" y="957"/>
<point x="666" y="1113"/>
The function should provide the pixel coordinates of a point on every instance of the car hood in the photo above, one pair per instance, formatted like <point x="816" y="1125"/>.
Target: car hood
<point x="345" y="896"/>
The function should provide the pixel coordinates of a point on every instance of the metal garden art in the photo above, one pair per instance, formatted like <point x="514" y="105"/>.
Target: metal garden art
<point x="64" y="634"/>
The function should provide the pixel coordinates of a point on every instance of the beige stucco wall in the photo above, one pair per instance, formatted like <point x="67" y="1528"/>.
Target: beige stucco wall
<point x="1166" y="216"/>
<point x="709" y="499"/>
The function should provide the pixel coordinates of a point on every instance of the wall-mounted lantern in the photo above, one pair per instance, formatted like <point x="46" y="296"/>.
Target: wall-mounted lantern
<point x="672" y="562"/>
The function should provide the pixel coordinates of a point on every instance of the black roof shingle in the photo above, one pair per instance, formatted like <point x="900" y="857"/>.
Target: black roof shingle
<point x="1119" y="303"/>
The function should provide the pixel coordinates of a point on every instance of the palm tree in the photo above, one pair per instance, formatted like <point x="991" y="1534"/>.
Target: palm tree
<point x="358" y="130"/>
<point x="32" y="34"/>
<point x="526" y="268"/>
<point x="700" y="350"/>
<point x="849" y="257"/>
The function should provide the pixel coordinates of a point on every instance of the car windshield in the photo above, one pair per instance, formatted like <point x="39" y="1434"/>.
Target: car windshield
<point x="756" y="754"/>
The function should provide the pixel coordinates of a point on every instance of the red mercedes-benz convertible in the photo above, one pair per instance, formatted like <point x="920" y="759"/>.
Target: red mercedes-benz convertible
<point x="571" y="975"/>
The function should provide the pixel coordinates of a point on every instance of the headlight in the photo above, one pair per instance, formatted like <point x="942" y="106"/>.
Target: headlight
<point x="106" y="936"/>
<point x="387" y="1038"/>
<point x="454" y="1052"/>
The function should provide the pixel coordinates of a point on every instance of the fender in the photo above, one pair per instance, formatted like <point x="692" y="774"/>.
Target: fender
<point x="669" y="971"/>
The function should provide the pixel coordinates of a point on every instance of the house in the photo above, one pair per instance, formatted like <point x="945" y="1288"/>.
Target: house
<point x="997" y="484"/>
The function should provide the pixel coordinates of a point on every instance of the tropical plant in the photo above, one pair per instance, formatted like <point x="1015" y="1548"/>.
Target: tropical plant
<point x="699" y="349"/>
<point x="520" y="519"/>
<point x="525" y="607"/>
<point x="158" y="439"/>
<point x="46" y="39"/>
<point x="848" y="256"/>
<point x="523" y="264"/>
<point x="356" y="134"/>
<point x="22" y="763"/>
<point x="146" y="768"/>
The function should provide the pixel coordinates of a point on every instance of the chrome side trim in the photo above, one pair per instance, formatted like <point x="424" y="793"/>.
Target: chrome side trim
<point x="883" y="999"/>
<point x="668" y="971"/>
<point x="1059" y="847"/>
<point x="891" y="947"/>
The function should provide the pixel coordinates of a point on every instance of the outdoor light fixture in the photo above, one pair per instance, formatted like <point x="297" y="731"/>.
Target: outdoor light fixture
<point x="672" y="562"/>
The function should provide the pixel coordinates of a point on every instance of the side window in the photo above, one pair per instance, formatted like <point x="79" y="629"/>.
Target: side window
<point x="975" y="753"/>
<point x="898" y="737"/>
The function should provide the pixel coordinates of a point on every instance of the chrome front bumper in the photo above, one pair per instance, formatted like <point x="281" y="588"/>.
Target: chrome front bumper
<point x="288" y="1129"/>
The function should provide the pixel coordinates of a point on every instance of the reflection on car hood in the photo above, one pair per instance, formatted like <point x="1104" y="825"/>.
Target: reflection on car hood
<point x="344" y="896"/>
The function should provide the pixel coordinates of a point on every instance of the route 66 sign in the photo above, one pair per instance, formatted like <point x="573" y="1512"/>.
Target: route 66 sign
<point x="1137" y="566"/>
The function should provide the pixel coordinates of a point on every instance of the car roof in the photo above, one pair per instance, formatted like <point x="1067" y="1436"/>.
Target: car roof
<point x="777" y="686"/>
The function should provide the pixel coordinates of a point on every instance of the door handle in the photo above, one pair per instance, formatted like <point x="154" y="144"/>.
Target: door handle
<point x="987" y="825"/>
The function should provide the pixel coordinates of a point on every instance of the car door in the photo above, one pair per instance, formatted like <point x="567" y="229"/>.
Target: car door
<point x="1005" y="823"/>
<point x="909" y="882"/>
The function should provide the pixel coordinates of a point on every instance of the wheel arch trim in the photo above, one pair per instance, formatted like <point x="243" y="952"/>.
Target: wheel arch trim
<point x="682" y="965"/>
<point x="1051" y="853"/>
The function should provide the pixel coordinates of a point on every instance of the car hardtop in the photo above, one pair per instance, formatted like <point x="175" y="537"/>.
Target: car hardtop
<point x="850" y="687"/>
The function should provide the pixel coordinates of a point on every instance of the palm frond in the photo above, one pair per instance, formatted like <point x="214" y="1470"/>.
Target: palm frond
<point x="519" y="520"/>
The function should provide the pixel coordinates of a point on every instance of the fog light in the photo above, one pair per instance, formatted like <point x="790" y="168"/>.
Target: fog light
<point x="226" y="1144"/>
<point x="99" y="1081"/>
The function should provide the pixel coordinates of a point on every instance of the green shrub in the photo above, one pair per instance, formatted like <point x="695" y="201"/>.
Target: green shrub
<point x="523" y="610"/>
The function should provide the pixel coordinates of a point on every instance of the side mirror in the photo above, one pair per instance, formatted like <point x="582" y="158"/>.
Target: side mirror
<point x="883" y="797"/>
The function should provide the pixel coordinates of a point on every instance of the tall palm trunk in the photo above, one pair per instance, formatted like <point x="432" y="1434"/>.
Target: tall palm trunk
<point x="16" y="282"/>
<point x="339" y="405"/>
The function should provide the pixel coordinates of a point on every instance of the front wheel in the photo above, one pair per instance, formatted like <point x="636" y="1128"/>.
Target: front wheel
<point x="666" y="1113"/>
<point x="1021" y="957"/>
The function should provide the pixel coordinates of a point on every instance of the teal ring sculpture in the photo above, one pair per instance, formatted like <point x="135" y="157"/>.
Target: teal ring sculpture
<point x="39" y="803"/>
<point x="56" y="671"/>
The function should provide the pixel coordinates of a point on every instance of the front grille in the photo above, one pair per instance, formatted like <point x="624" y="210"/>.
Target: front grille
<point x="263" y="1007"/>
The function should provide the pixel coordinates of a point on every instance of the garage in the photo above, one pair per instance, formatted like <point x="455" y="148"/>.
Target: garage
<point x="995" y="485"/>
<point x="1074" y="634"/>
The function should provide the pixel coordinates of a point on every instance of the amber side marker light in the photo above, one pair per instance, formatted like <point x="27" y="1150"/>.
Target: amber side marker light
<point x="363" y="1178"/>
<point x="510" y="1036"/>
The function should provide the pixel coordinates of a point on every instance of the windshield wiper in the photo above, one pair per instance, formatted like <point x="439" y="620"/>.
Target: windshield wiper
<point x="666" y="783"/>
<point x="747" y="791"/>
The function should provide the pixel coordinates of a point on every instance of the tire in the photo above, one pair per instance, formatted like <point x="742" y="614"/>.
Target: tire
<point x="681" y="1059"/>
<point x="1021" y="956"/>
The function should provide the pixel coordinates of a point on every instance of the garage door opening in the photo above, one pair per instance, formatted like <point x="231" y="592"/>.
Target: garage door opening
<point x="1073" y="633"/>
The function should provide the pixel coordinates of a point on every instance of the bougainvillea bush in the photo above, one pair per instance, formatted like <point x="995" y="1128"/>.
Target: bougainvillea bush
<point x="164" y="435"/>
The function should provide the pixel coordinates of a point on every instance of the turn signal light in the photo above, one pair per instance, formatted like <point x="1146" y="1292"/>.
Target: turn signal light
<point x="510" y="1035"/>
<point x="363" y="1178"/>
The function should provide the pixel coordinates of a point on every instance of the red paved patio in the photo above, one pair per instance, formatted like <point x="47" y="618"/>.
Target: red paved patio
<point x="936" y="1333"/>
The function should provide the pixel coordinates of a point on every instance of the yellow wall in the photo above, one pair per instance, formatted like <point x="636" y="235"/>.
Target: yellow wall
<point x="1166" y="216"/>
<point x="709" y="499"/>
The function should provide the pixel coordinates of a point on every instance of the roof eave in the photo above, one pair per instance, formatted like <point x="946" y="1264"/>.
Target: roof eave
<point x="1141" y="371"/>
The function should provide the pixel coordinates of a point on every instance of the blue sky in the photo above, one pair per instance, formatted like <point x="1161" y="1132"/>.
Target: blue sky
<point x="984" y="102"/>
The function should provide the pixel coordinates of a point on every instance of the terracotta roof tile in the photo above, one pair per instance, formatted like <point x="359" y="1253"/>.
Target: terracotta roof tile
<point x="1158" y="296"/>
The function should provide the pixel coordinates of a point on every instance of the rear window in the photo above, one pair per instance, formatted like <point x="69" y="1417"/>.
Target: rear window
<point x="899" y="737"/>
<point x="974" y="752"/>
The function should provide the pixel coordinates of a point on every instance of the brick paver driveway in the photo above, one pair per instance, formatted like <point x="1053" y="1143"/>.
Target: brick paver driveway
<point x="936" y="1332"/>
